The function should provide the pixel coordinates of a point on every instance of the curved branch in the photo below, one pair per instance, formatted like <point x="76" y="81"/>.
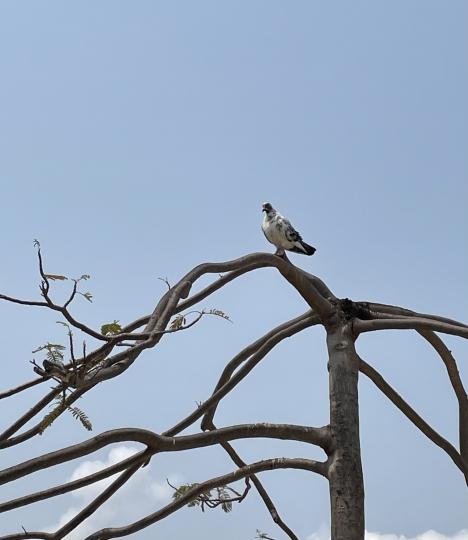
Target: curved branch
<point x="75" y="484"/>
<point x="452" y="370"/>
<point x="409" y="323"/>
<point x="97" y="502"/>
<point x="22" y="387"/>
<point x="198" y="297"/>
<point x="397" y="310"/>
<point x="83" y="514"/>
<point x="306" y="284"/>
<point x="239" y="375"/>
<point x="450" y="364"/>
<point x="413" y="416"/>
<point x="457" y="385"/>
<point x="121" y="361"/>
<point x="318" y="436"/>
<point x="259" y="487"/>
<point x="270" y="339"/>
<point x="30" y="414"/>
<point x="249" y="470"/>
<point x="28" y="534"/>
<point x="22" y="302"/>
<point x="440" y="347"/>
<point x="7" y="443"/>
<point x="311" y="288"/>
<point x="61" y="309"/>
<point x="210" y="289"/>
<point x="75" y="451"/>
<point x="160" y="443"/>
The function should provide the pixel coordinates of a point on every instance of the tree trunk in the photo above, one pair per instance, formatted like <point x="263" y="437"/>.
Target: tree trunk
<point x="463" y="420"/>
<point x="345" y="471"/>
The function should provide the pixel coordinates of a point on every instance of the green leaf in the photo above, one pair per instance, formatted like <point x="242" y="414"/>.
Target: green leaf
<point x="223" y="495"/>
<point x="55" y="277"/>
<point x="82" y="417"/>
<point x="226" y="506"/>
<point x="50" y="417"/>
<point x="178" y="322"/>
<point x="111" y="328"/>
<point x="182" y="490"/>
<point x="219" y="313"/>
<point x="70" y="333"/>
<point x="49" y="346"/>
<point x="63" y="323"/>
<point x="62" y="406"/>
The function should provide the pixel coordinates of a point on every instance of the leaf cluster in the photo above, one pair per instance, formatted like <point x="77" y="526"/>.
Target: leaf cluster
<point x="55" y="277"/>
<point x="87" y="295"/>
<point x="221" y="497"/>
<point x="178" y="322"/>
<point x="218" y="313"/>
<point x="111" y="328"/>
<point x="54" y="351"/>
<point x="61" y="405"/>
<point x="263" y="536"/>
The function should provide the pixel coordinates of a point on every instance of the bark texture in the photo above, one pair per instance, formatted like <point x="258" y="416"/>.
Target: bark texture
<point x="345" y="471"/>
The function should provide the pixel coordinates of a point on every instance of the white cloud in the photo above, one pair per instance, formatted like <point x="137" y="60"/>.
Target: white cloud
<point x="324" y="534"/>
<point x="151" y="494"/>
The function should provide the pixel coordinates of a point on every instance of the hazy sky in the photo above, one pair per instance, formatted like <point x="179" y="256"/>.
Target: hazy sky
<point x="139" y="139"/>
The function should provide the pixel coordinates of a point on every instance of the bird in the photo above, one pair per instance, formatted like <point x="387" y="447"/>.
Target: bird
<point x="54" y="366"/>
<point x="279" y="231"/>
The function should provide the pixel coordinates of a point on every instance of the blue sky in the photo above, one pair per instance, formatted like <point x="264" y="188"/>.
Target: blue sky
<point x="139" y="139"/>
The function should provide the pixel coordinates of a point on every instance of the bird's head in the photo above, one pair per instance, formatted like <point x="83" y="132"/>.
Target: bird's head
<point x="266" y="207"/>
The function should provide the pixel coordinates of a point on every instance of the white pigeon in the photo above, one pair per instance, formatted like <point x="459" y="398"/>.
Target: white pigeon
<point x="279" y="231"/>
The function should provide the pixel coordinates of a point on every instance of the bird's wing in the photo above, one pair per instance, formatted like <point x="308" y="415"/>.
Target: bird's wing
<point x="53" y="365"/>
<point x="290" y="232"/>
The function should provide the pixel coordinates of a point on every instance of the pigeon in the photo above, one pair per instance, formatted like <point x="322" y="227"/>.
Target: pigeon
<point x="54" y="366"/>
<point x="279" y="231"/>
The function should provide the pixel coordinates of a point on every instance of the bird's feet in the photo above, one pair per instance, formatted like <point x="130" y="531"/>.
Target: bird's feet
<point x="281" y="253"/>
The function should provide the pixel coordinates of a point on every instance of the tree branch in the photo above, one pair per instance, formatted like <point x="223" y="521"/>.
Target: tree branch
<point x="457" y="385"/>
<point x="97" y="502"/>
<point x="411" y="323"/>
<point x="75" y="484"/>
<point x="30" y="414"/>
<point x="22" y="387"/>
<point x="6" y="443"/>
<point x="239" y="375"/>
<point x="259" y="487"/>
<point x="160" y="443"/>
<point x="266" y="343"/>
<point x="397" y="310"/>
<point x="413" y="416"/>
<point x="249" y="470"/>
<point x="450" y="364"/>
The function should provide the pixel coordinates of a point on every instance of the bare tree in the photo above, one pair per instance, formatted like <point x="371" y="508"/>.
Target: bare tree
<point x="343" y="320"/>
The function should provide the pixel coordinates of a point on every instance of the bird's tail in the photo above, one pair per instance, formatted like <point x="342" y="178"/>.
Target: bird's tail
<point x="305" y="249"/>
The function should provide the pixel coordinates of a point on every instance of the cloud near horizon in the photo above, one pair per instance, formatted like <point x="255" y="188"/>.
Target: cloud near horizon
<point x="150" y="493"/>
